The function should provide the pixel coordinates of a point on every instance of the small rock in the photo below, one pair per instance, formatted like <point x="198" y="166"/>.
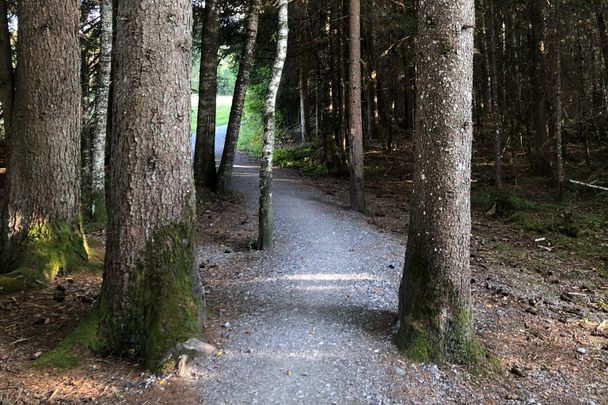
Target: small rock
<point x="35" y="355"/>
<point x="518" y="372"/>
<point x="197" y="346"/>
<point x="227" y="325"/>
<point x="582" y="350"/>
<point x="391" y="266"/>
<point x="399" y="371"/>
<point x="532" y="311"/>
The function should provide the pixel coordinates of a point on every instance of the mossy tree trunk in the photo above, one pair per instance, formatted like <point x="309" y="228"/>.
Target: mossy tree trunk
<point x="151" y="296"/>
<point x="356" y="163"/>
<point x="224" y="174"/>
<point x="100" y="128"/>
<point x="265" y="213"/>
<point x="42" y="230"/>
<point x="204" y="154"/>
<point x="435" y="304"/>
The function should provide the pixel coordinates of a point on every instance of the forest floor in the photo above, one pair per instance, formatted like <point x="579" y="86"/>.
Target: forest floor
<point x="312" y="320"/>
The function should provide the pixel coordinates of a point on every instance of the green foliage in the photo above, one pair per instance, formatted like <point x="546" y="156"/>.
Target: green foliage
<point x="252" y="126"/>
<point x="226" y="75"/>
<point x="304" y="158"/>
<point x="68" y="353"/>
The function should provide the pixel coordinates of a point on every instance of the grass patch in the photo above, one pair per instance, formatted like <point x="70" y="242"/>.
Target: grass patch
<point x="69" y="352"/>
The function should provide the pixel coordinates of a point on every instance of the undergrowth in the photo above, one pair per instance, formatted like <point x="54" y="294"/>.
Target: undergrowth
<point x="577" y="224"/>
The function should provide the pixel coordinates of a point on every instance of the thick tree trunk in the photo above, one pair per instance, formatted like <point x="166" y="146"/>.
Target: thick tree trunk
<point x="265" y="214"/>
<point x="541" y="163"/>
<point x="98" y="165"/>
<point x="151" y="297"/>
<point x="204" y="152"/>
<point x="601" y="29"/>
<point x="436" y="322"/>
<point x="7" y="80"/>
<point x="7" y="94"/>
<point x="357" y="189"/>
<point x="42" y="229"/>
<point x="224" y="175"/>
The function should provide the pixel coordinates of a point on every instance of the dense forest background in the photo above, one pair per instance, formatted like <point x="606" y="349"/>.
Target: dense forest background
<point x="504" y="214"/>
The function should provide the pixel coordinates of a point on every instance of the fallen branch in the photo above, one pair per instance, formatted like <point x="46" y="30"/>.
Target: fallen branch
<point x="580" y="183"/>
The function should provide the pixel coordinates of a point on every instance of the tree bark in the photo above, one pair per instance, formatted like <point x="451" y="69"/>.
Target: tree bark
<point x="98" y="159"/>
<point x="496" y="113"/>
<point x="204" y="152"/>
<point x="557" y="105"/>
<point x="304" y="105"/>
<point x="224" y="176"/>
<point x="42" y="228"/>
<point x="541" y="163"/>
<point x="265" y="213"/>
<point x="436" y="321"/>
<point x="357" y="185"/>
<point x="151" y="296"/>
<point x="601" y="29"/>
<point x="7" y="79"/>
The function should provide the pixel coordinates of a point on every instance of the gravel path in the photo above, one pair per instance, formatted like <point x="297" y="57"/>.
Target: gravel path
<point x="316" y="314"/>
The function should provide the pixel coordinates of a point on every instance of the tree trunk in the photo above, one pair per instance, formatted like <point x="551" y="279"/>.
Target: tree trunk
<point x="357" y="189"/>
<point x="304" y="105"/>
<point x="541" y="163"/>
<point x="98" y="165"/>
<point x="557" y="94"/>
<point x="496" y="113"/>
<point x="224" y="176"/>
<point x="85" y="119"/>
<point x="151" y="297"/>
<point x="373" y="122"/>
<point x="42" y="228"/>
<point x="7" y="82"/>
<point x="265" y="215"/>
<point x="7" y="94"/>
<point x="601" y="29"/>
<point x="436" y="321"/>
<point x="204" y="152"/>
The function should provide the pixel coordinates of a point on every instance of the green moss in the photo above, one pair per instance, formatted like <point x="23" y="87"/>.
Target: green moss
<point x="68" y="353"/>
<point x="162" y="308"/>
<point x="42" y="253"/>
<point x="425" y="333"/>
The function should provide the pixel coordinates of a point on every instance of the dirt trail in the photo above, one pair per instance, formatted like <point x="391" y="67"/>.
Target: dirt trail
<point x="315" y="315"/>
<point x="312" y="320"/>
